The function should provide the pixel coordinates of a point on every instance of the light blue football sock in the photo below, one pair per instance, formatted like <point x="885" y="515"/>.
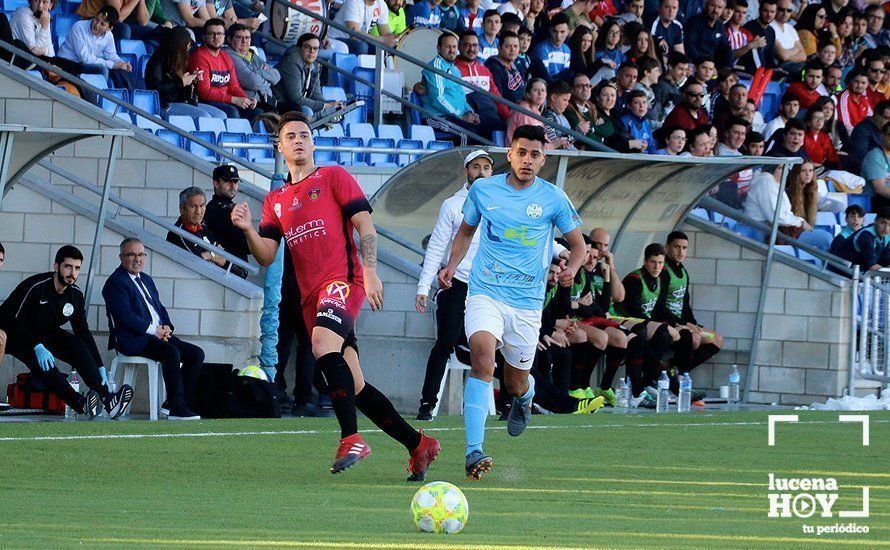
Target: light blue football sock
<point x="476" y="395"/>
<point x="526" y="398"/>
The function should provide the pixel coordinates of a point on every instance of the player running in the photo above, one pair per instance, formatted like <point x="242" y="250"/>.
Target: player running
<point x="316" y="211"/>
<point x="518" y="211"/>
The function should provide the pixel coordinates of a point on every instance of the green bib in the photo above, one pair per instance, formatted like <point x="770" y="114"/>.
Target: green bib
<point x="579" y="286"/>
<point x="551" y="292"/>
<point x="649" y="297"/>
<point x="598" y="284"/>
<point x="676" y="290"/>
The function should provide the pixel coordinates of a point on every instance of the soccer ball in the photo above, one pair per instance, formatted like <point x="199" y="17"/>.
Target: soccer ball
<point x="254" y="371"/>
<point x="440" y="507"/>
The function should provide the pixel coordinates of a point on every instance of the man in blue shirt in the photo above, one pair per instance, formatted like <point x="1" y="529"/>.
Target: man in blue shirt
<point x="518" y="212"/>
<point x="488" y="35"/>
<point x="551" y="58"/>
<point x="425" y="13"/>
<point x="876" y="169"/>
<point x="869" y="248"/>
<point x="706" y="36"/>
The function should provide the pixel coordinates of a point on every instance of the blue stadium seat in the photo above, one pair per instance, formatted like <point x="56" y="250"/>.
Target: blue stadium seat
<point x="96" y="80"/>
<point x="700" y="213"/>
<point x="416" y="117"/>
<point x="750" y="232"/>
<point x="147" y="100"/>
<point x="125" y="116"/>
<point x="136" y="47"/>
<point x="424" y="133"/>
<point x="199" y="150"/>
<point x="786" y="249"/>
<point x="185" y="123"/>
<point x="361" y="130"/>
<point x="439" y="145"/>
<point x="147" y="124"/>
<point x="769" y="106"/>
<point x="809" y="258"/>
<point x="238" y="125"/>
<point x="259" y="155"/>
<point x="170" y="137"/>
<point x="346" y="62"/>
<point x="325" y="158"/>
<point x="111" y="106"/>
<point x="70" y="7"/>
<point x="354" y="157"/>
<point x="827" y="218"/>
<point x="862" y="200"/>
<point x="390" y="131"/>
<point x="62" y="24"/>
<point x="499" y="138"/>
<point x="333" y="93"/>
<point x="869" y="218"/>
<point x="209" y="124"/>
<point x="334" y="131"/>
<point x="143" y="63"/>
<point x="382" y="159"/>
<point x="234" y="137"/>
<point x="405" y="160"/>
<point x="130" y="58"/>
<point x="363" y="91"/>
<point x="12" y="5"/>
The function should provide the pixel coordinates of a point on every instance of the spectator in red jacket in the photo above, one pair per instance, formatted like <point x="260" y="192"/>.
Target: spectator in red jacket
<point x="689" y="113"/>
<point x="817" y="143"/>
<point x="477" y="74"/>
<point x="217" y="81"/>
<point x="852" y="104"/>
<point x="807" y="91"/>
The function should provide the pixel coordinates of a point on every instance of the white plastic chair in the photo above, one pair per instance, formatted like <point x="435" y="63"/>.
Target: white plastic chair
<point x="454" y="370"/>
<point x="157" y="392"/>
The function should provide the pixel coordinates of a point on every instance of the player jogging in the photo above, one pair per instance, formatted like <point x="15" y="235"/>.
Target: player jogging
<point x="316" y="211"/>
<point x="518" y="212"/>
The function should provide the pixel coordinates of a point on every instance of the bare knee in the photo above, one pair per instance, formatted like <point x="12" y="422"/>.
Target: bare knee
<point x="325" y="342"/>
<point x="599" y="339"/>
<point x="617" y="338"/>
<point x="2" y="340"/>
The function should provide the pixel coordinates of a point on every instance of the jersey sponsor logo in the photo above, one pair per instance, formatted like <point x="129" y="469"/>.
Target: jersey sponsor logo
<point x="67" y="310"/>
<point x="277" y="209"/>
<point x="330" y="315"/>
<point x="296" y="205"/>
<point x="220" y="78"/>
<point x="44" y="302"/>
<point x="328" y="301"/>
<point x="490" y="208"/>
<point x="338" y="290"/>
<point x="649" y="307"/>
<point x="534" y="211"/>
<point x="520" y="236"/>
<point x="526" y="360"/>
<point x="490" y="234"/>
<point x="305" y="231"/>
<point x="314" y="193"/>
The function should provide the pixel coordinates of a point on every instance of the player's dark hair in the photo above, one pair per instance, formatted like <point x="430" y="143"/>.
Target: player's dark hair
<point x="883" y="213"/>
<point x="68" y="251"/>
<point x="559" y="19"/>
<point x="505" y="34"/>
<point x="525" y="30"/>
<point x="654" y="249"/>
<point x="675" y="58"/>
<point x="736" y="121"/>
<point x="469" y="33"/>
<point x="2" y="250"/>
<point x="508" y="19"/>
<point x="795" y="124"/>
<point x="647" y="64"/>
<point x="676" y="236"/>
<point x="531" y="133"/>
<point x="489" y="13"/>
<point x="111" y="15"/>
<point x="443" y="36"/>
<point x="292" y="116"/>
<point x="633" y="94"/>
<point x="560" y="87"/>
<point x="237" y="27"/>
<point x="215" y="22"/>
<point x="754" y="137"/>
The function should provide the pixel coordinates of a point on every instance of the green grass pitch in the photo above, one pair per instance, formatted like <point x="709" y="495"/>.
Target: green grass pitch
<point x="594" y="481"/>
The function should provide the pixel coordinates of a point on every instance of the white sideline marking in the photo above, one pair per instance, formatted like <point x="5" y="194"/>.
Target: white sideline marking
<point x="773" y="419"/>
<point x="316" y="432"/>
<point x="863" y="419"/>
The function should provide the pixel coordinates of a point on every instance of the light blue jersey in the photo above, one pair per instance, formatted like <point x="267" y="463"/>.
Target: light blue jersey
<point x="516" y="238"/>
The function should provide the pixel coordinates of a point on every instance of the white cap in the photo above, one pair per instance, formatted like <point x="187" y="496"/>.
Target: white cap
<point x="476" y="154"/>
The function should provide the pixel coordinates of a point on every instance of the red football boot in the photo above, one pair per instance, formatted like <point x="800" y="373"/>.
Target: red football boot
<point x="422" y="456"/>
<point x="352" y="449"/>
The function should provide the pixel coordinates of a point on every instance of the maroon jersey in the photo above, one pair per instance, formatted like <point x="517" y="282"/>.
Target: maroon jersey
<point x="314" y="215"/>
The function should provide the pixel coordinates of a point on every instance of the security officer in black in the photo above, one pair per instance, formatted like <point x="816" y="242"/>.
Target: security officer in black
<point x="218" y="217"/>
<point x="33" y="316"/>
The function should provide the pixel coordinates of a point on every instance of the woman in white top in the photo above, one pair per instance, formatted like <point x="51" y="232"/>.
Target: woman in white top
<point x="761" y="205"/>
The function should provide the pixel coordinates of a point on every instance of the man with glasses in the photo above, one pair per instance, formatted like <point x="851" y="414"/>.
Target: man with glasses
<point x="874" y="15"/>
<point x="218" y="215"/>
<point x="875" y="72"/>
<point x="789" y="51"/>
<point x="220" y="87"/>
<point x="255" y="75"/>
<point x="300" y="84"/>
<point x="139" y="325"/>
<point x="689" y="113"/>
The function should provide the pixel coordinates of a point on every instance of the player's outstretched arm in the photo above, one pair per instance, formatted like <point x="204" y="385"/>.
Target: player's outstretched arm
<point x="577" y="251"/>
<point x="459" y="249"/>
<point x="263" y="249"/>
<point x="368" y="242"/>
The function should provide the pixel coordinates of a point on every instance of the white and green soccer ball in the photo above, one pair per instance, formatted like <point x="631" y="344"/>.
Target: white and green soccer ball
<point x="253" y="371"/>
<point x="440" y="507"/>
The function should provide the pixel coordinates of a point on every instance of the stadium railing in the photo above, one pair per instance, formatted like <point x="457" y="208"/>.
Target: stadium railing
<point x="870" y="329"/>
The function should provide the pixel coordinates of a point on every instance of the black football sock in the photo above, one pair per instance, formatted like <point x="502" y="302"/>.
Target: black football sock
<point x="593" y="359"/>
<point x="614" y="358"/>
<point x="634" y="365"/>
<point x="682" y="352"/>
<point x="342" y="390"/>
<point x="579" y="353"/>
<point x="702" y="354"/>
<point x="379" y="409"/>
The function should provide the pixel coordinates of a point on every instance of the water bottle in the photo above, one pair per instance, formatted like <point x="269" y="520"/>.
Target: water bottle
<point x="75" y="385"/>
<point x="661" y="403"/>
<point x="623" y="396"/>
<point x="734" y="379"/>
<point x="684" y="401"/>
<point x="112" y="385"/>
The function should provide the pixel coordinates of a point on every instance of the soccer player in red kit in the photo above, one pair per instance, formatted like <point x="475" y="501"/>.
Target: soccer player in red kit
<point x="315" y="212"/>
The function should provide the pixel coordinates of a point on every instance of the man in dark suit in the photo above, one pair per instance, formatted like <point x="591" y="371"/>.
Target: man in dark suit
<point x="140" y="326"/>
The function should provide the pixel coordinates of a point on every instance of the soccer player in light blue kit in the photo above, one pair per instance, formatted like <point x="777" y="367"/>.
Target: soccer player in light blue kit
<point x="517" y="212"/>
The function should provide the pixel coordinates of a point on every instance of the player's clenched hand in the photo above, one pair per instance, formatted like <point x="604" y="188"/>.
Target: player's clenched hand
<point x="445" y="277"/>
<point x="374" y="290"/>
<point x="241" y="216"/>
<point x="420" y="303"/>
<point x="566" y="276"/>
